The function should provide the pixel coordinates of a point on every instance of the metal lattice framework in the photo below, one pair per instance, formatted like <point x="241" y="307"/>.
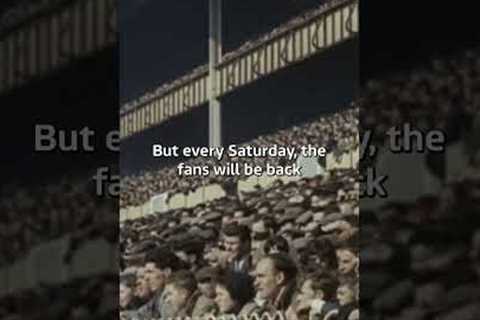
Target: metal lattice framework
<point x="331" y="27"/>
<point x="48" y="42"/>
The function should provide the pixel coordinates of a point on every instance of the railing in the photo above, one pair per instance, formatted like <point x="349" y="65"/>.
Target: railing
<point x="335" y="25"/>
<point x="264" y="316"/>
<point x="77" y="29"/>
<point x="161" y="203"/>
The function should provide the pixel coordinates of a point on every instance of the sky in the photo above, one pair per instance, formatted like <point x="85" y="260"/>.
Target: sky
<point x="162" y="40"/>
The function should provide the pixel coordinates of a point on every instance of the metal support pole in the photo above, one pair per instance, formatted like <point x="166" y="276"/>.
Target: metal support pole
<point x="215" y="53"/>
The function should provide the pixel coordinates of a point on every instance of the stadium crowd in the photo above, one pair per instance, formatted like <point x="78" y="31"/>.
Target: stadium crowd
<point x="421" y="260"/>
<point x="34" y="215"/>
<point x="335" y="132"/>
<point x="443" y="94"/>
<point x="288" y="251"/>
<point x="94" y="297"/>
<point x="414" y="264"/>
<point x="291" y="249"/>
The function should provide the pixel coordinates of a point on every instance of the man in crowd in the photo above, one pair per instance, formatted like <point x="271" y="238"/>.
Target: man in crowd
<point x="205" y="304"/>
<point x="347" y="261"/>
<point x="275" y="283"/>
<point x="142" y="290"/>
<point x="237" y="246"/>
<point x="262" y="230"/>
<point x="180" y="295"/>
<point x="159" y="265"/>
<point x="127" y="283"/>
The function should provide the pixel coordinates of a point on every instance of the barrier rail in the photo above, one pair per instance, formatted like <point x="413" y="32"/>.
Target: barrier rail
<point x="45" y="265"/>
<point x="204" y="194"/>
<point x="335" y="25"/>
<point x="49" y="42"/>
<point x="264" y="316"/>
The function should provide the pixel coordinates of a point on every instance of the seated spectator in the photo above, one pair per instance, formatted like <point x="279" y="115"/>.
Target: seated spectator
<point x="347" y="261"/>
<point x="206" y="278"/>
<point x="180" y="295"/>
<point x="277" y="244"/>
<point x="159" y="265"/>
<point x="142" y="290"/>
<point x="316" y="297"/>
<point x="275" y="282"/>
<point x="232" y="293"/>
<point x="127" y="284"/>
<point x="347" y="296"/>
<point x="261" y="231"/>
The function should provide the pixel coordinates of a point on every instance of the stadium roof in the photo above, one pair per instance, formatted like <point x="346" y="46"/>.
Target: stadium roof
<point x="14" y="13"/>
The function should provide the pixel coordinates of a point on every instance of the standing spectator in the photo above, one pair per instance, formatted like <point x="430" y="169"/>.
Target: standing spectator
<point x="237" y="241"/>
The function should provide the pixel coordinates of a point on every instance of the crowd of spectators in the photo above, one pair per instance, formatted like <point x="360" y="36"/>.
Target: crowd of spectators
<point x="292" y="249"/>
<point x="421" y="260"/>
<point x="80" y="299"/>
<point x="289" y="250"/>
<point x="414" y="264"/>
<point x="34" y="215"/>
<point x="337" y="132"/>
<point x="443" y="94"/>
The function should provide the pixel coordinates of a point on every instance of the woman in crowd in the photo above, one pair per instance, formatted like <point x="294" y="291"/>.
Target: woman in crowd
<point x="231" y="294"/>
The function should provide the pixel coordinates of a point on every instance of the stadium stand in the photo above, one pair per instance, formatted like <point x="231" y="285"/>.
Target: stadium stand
<point x="289" y="25"/>
<point x="435" y="96"/>
<point x="91" y="297"/>
<point x="310" y="214"/>
<point x="306" y="215"/>
<point x="338" y="131"/>
<point x="405" y="275"/>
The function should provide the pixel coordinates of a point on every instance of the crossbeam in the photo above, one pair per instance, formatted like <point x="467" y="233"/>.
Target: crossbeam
<point x="76" y="30"/>
<point x="320" y="32"/>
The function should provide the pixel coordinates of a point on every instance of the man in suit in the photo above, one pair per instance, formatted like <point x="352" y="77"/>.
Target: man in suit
<point x="237" y="246"/>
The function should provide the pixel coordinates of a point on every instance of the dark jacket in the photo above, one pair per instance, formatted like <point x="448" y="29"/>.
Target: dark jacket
<point x="152" y="309"/>
<point x="240" y="265"/>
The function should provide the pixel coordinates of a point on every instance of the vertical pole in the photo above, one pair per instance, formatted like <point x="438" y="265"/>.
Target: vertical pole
<point x="215" y="53"/>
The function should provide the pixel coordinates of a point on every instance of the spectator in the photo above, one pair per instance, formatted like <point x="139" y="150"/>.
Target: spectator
<point x="232" y="294"/>
<point x="180" y="295"/>
<point x="275" y="281"/>
<point x="237" y="240"/>
<point x="127" y="284"/>
<point x="206" y="279"/>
